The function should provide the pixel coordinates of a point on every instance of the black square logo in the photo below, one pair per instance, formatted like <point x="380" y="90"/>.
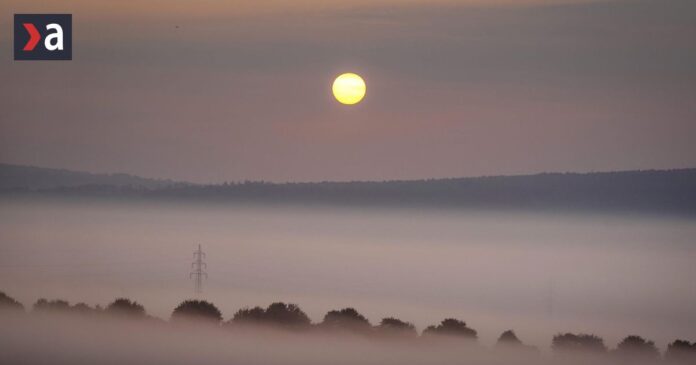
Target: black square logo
<point x="43" y="36"/>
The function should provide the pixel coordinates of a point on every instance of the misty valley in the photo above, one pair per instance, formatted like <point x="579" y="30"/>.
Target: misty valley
<point x="354" y="182"/>
<point x="541" y="275"/>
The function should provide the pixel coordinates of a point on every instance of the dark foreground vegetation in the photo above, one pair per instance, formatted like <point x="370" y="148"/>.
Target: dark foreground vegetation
<point x="289" y="318"/>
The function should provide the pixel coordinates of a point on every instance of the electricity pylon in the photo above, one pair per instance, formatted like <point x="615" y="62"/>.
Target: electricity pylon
<point x="198" y="268"/>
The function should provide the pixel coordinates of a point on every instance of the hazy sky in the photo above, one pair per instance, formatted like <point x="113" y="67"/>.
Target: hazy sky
<point x="242" y="91"/>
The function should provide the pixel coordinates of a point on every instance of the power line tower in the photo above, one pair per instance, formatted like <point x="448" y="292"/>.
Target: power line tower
<point x="198" y="268"/>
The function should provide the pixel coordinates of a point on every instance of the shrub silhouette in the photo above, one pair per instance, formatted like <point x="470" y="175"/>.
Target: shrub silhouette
<point x="288" y="316"/>
<point x="635" y="348"/>
<point x="256" y="315"/>
<point x="395" y="327"/>
<point x="56" y="305"/>
<point x="346" y="319"/>
<point x="681" y="352"/>
<point x="61" y="306"/>
<point x="125" y="307"/>
<point x="631" y="350"/>
<point x="508" y="338"/>
<point x="83" y="308"/>
<point x="578" y="343"/>
<point x="9" y="303"/>
<point x="451" y="327"/>
<point x="196" y="310"/>
<point x="509" y="342"/>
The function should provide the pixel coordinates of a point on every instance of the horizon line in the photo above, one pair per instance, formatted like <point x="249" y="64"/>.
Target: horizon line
<point x="284" y="182"/>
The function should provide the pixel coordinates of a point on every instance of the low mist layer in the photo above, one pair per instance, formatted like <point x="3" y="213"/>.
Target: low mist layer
<point x="122" y="334"/>
<point x="538" y="274"/>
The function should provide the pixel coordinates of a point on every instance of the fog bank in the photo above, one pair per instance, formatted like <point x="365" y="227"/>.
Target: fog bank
<point x="538" y="274"/>
<point x="61" y="339"/>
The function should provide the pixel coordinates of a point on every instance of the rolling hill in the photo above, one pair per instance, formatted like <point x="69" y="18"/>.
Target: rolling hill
<point x="648" y="191"/>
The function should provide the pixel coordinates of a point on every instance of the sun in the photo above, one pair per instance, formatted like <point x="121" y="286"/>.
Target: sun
<point x="349" y="88"/>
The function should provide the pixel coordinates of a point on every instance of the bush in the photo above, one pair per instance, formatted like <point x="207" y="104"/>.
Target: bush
<point x="578" y="343"/>
<point x="451" y="327"/>
<point x="126" y="307"/>
<point x="287" y="316"/>
<point x="508" y="338"/>
<point x="681" y="352"/>
<point x="9" y="303"/>
<point x="346" y="319"/>
<point x="56" y="305"/>
<point x="196" y="310"/>
<point x="395" y="327"/>
<point x="281" y="315"/>
<point x="636" y="348"/>
<point x="256" y="315"/>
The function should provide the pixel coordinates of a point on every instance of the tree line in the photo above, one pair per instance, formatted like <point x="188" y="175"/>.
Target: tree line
<point x="290" y="317"/>
<point x="663" y="191"/>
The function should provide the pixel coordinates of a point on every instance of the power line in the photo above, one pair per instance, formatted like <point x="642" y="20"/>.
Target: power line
<point x="198" y="268"/>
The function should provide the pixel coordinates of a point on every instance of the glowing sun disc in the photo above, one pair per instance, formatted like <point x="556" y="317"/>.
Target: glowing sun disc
<point x="349" y="88"/>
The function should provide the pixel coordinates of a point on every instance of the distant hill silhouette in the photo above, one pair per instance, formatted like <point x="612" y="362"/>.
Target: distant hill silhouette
<point x="19" y="177"/>
<point x="648" y="191"/>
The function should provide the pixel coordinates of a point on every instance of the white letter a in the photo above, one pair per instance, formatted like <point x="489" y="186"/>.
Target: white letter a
<point x="58" y="36"/>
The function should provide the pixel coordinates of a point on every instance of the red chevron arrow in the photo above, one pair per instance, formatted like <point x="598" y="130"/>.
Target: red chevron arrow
<point x="34" y="36"/>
